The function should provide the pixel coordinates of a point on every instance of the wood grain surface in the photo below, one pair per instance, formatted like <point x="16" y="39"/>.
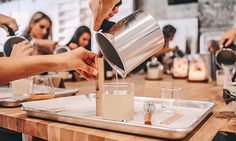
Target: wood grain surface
<point x="222" y="118"/>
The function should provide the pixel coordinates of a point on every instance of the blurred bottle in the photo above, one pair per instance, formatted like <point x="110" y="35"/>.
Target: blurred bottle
<point x="154" y="69"/>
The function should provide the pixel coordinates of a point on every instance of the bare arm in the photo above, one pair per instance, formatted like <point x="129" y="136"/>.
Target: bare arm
<point x="12" y="68"/>
<point x="49" y="45"/>
<point x="16" y="68"/>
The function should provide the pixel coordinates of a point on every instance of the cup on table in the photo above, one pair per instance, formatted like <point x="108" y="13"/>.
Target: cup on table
<point x="42" y="85"/>
<point x="21" y="88"/>
<point x="118" y="101"/>
<point x="170" y="99"/>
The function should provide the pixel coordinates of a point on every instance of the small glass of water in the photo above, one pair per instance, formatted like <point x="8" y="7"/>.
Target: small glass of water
<point x="118" y="101"/>
<point x="170" y="99"/>
<point x="21" y="88"/>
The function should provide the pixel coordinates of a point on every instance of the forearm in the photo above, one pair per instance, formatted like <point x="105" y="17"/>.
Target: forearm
<point x="15" y="68"/>
<point x="44" y="43"/>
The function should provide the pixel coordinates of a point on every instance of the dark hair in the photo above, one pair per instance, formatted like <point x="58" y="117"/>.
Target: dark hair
<point x="38" y="16"/>
<point x="79" y="31"/>
<point x="168" y="31"/>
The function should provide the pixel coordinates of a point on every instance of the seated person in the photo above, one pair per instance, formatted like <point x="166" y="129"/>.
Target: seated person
<point x="81" y="38"/>
<point x="40" y="28"/>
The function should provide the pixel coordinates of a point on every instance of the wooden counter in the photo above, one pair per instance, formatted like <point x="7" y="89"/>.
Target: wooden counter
<point x="15" y="119"/>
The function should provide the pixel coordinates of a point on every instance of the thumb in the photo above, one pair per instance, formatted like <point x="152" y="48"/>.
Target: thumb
<point x="88" y="69"/>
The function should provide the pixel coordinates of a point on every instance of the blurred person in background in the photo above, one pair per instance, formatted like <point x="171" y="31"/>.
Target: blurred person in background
<point x="41" y="63"/>
<point x="167" y="54"/>
<point x="81" y="38"/>
<point x="40" y="28"/>
<point x="168" y="33"/>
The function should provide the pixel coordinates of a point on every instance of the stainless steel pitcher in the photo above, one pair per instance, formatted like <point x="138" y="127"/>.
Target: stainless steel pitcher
<point x="131" y="41"/>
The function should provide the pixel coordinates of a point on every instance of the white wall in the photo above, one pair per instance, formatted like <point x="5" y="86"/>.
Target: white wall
<point x="160" y="9"/>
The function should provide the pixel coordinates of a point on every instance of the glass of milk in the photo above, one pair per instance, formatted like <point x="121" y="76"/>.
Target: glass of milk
<point x="118" y="101"/>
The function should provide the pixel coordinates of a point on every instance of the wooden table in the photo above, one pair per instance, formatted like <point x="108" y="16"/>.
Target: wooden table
<point x="17" y="120"/>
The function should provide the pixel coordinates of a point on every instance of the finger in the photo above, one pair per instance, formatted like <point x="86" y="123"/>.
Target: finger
<point x="89" y="55"/>
<point x="228" y="42"/>
<point x="115" y="10"/>
<point x="29" y="52"/>
<point x="93" y="65"/>
<point x="98" y="21"/>
<point x="223" y="39"/>
<point x="88" y="69"/>
<point x="19" y="45"/>
<point x="111" y="14"/>
<point x="89" y="62"/>
<point x="107" y="18"/>
<point x="85" y="75"/>
<point x="15" y="45"/>
<point x="103" y="12"/>
<point x="13" y="26"/>
<point x="27" y="46"/>
<point x="25" y="42"/>
<point x="88" y="75"/>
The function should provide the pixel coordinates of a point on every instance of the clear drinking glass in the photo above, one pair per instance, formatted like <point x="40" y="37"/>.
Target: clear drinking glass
<point x="21" y="88"/>
<point x="170" y="99"/>
<point x="118" y="101"/>
<point x="42" y="85"/>
<point x="229" y="86"/>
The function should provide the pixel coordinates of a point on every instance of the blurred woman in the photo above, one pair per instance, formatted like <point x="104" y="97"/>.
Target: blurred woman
<point x="81" y="38"/>
<point x="40" y="28"/>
